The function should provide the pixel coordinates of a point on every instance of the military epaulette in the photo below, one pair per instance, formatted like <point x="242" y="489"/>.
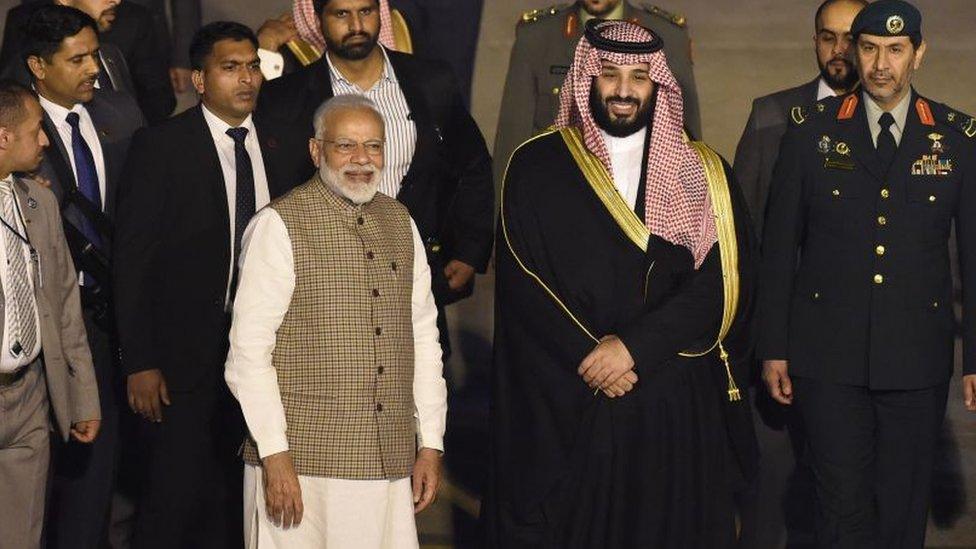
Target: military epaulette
<point x="531" y="16"/>
<point x="673" y="18"/>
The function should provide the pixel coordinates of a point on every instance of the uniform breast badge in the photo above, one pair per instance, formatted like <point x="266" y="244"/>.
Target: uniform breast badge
<point x="839" y="158"/>
<point x="936" y="138"/>
<point x="931" y="164"/>
<point x="824" y="145"/>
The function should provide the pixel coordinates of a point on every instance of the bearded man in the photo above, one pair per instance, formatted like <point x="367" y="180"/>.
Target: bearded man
<point x="334" y="354"/>
<point x="619" y="260"/>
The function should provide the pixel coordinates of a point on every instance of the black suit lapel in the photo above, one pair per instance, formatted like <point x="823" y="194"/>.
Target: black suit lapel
<point x="857" y="134"/>
<point x="268" y="143"/>
<point x="57" y="155"/>
<point x="429" y="135"/>
<point x="203" y="154"/>
<point x="96" y="109"/>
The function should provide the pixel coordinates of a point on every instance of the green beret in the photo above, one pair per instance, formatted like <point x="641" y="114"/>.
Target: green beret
<point x="888" y="18"/>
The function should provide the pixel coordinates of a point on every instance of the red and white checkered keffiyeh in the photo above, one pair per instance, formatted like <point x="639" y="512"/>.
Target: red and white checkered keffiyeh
<point x="309" y="25"/>
<point x="677" y="204"/>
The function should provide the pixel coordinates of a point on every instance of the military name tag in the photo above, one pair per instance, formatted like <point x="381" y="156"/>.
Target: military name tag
<point x="838" y="163"/>
<point x="931" y="164"/>
<point x="558" y="69"/>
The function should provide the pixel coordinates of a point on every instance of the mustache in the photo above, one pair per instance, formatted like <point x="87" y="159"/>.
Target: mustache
<point x="358" y="169"/>
<point x="619" y="99"/>
<point x="355" y="34"/>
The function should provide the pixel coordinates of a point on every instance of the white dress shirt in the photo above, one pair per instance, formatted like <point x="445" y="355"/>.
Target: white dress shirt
<point x="899" y="113"/>
<point x="401" y="130"/>
<point x="59" y="116"/>
<point x="264" y="291"/>
<point x="8" y="362"/>
<point x="626" y="157"/>
<point x="824" y="91"/>
<point x="228" y="166"/>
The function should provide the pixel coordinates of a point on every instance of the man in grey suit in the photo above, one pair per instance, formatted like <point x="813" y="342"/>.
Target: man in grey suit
<point x="89" y="131"/>
<point x="41" y="312"/>
<point x="764" y="521"/>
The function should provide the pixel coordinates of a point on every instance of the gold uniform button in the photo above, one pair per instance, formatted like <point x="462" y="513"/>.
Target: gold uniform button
<point x="880" y="250"/>
<point x="935" y="304"/>
<point x="836" y="192"/>
<point x="882" y="220"/>
<point x="555" y="91"/>
<point x="931" y="198"/>
<point x="878" y="279"/>
<point x="885" y="193"/>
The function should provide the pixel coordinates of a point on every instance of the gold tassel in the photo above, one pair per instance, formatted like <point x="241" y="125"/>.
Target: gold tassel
<point x="734" y="394"/>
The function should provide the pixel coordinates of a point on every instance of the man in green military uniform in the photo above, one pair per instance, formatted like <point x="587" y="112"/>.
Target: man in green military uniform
<point x="545" y="42"/>
<point x="856" y="302"/>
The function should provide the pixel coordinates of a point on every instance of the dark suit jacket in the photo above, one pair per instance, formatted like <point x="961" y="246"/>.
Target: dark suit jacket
<point x="856" y="284"/>
<point x="448" y="189"/>
<point x="172" y="252"/>
<point x="116" y="117"/>
<point x="759" y="145"/>
<point x="133" y="33"/>
<point x="185" y="16"/>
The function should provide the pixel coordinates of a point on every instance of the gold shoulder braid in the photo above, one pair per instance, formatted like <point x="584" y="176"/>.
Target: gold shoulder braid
<point x="305" y="53"/>
<point x="602" y="184"/>
<point x="718" y="189"/>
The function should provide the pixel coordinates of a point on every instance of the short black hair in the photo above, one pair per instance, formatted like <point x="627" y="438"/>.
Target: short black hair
<point x="49" y="26"/>
<point x="319" y="5"/>
<point x="207" y="37"/>
<point x="828" y="3"/>
<point x="12" y="96"/>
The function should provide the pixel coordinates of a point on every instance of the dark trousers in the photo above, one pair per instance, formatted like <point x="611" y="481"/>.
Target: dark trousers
<point x="776" y="510"/>
<point x="192" y="491"/>
<point x="84" y="474"/>
<point x="872" y="455"/>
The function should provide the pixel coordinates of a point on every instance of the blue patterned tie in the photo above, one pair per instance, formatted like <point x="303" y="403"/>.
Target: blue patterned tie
<point x="87" y="177"/>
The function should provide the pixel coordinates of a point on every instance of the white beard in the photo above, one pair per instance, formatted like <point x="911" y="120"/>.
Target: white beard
<point x="357" y="193"/>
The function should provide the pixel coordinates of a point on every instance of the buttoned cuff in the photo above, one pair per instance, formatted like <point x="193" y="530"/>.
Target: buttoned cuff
<point x="272" y="63"/>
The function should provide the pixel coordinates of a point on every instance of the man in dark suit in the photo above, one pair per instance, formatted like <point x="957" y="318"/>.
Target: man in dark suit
<point x="856" y="302"/>
<point x="190" y="186"/>
<point x="176" y="32"/>
<point x="89" y="131"/>
<point x="438" y="164"/>
<point x="773" y="510"/>
<point x="127" y="26"/>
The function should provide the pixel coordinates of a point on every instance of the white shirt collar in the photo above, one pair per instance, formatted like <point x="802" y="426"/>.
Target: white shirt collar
<point x="388" y="74"/>
<point x="219" y="127"/>
<point x="58" y="113"/>
<point x="824" y="91"/>
<point x="617" y="145"/>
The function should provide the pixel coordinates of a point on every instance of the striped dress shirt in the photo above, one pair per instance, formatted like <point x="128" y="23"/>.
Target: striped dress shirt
<point x="401" y="131"/>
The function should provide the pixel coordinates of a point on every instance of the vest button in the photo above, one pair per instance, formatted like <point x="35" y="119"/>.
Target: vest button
<point x="369" y="255"/>
<point x="376" y="293"/>
<point x="379" y="331"/>
<point x="360" y="220"/>
<point x="379" y="407"/>
<point x="379" y="370"/>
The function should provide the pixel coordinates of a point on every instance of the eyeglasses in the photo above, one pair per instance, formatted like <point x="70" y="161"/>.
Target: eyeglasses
<point x="348" y="146"/>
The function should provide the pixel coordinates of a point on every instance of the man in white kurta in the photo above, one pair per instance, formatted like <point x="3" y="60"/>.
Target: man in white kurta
<point x="334" y="354"/>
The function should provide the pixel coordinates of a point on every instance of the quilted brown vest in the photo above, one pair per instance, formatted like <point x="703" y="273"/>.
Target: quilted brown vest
<point x="344" y="351"/>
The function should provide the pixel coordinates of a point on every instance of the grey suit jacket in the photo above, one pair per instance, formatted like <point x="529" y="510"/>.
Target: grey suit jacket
<point x="758" y="147"/>
<point x="71" y="386"/>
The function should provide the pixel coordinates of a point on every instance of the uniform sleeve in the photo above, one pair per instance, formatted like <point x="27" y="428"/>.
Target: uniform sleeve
<point x="516" y="113"/>
<point x="780" y="249"/>
<point x="266" y="283"/>
<point x="429" y="389"/>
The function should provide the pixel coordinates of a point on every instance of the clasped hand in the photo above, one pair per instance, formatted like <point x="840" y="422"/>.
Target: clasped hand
<point x="609" y="368"/>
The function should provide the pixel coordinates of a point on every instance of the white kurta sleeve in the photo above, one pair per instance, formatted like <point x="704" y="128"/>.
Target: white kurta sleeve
<point x="272" y="63"/>
<point x="429" y="389"/>
<point x="265" y="285"/>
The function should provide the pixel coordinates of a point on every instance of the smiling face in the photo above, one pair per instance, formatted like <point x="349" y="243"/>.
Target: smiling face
<point x="351" y="27"/>
<point x="886" y="65"/>
<point x="230" y="80"/>
<point x="68" y="76"/>
<point x="349" y="155"/>
<point x="620" y="98"/>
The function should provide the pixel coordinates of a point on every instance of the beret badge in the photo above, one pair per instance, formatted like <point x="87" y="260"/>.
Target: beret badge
<point x="895" y="24"/>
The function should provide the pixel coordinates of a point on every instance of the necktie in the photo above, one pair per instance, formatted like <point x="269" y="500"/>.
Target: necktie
<point x="87" y="177"/>
<point x="886" y="140"/>
<point x="244" y="205"/>
<point x="23" y="328"/>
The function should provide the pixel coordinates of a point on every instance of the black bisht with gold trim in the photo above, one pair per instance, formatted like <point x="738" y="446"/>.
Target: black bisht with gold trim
<point x="657" y="467"/>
